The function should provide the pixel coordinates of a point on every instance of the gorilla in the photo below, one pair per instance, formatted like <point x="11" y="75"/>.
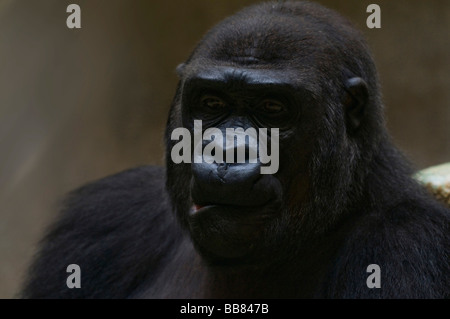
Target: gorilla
<point x="342" y="200"/>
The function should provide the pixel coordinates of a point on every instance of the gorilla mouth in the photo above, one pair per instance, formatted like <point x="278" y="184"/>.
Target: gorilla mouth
<point x="223" y="232"/>
<point x="227" y="221"/>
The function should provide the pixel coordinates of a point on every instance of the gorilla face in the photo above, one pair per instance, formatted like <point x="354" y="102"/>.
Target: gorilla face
<point x="292" y="73"/>
<point x="234" y="206"/>
<point x="233" y="209"/>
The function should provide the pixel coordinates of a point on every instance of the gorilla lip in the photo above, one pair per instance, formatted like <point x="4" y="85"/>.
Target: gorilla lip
<point x="197" y="208"/>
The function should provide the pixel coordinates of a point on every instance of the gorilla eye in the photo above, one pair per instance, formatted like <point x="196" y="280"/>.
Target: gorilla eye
<point x="212" y="102"/>
<point x="272" y="107"/>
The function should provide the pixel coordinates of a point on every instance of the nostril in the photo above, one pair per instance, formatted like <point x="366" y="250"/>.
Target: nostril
<point x="222" y="169"/>
<point x="222" y="166"/>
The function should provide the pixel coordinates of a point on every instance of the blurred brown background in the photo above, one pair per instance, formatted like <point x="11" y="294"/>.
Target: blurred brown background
<point x="77" y="105"/>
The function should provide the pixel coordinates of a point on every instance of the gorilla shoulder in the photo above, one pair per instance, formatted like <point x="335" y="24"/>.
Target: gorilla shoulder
<point x="113" y="226"/>
<point x="408" y="243"/>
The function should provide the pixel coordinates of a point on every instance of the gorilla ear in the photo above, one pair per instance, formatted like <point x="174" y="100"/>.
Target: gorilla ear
<point x="180" y="69"/>
<point x="355" y="101"/>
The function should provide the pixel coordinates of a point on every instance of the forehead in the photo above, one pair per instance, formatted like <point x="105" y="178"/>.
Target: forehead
<point x="269" y="38"/>
<point x="303" y="49"/>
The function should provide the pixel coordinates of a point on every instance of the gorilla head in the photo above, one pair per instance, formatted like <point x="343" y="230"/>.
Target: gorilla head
<point x="297" y="67"/>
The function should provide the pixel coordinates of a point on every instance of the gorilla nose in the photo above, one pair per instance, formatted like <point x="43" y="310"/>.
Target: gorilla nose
<point x="222" y="170"/>
<point x="227" y="184"/>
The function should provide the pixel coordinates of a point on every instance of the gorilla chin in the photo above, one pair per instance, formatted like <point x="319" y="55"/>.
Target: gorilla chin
<point x="229" y="234"/>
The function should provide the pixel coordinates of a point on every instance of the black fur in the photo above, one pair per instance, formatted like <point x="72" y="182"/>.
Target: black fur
<point x="349" y="200"/>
